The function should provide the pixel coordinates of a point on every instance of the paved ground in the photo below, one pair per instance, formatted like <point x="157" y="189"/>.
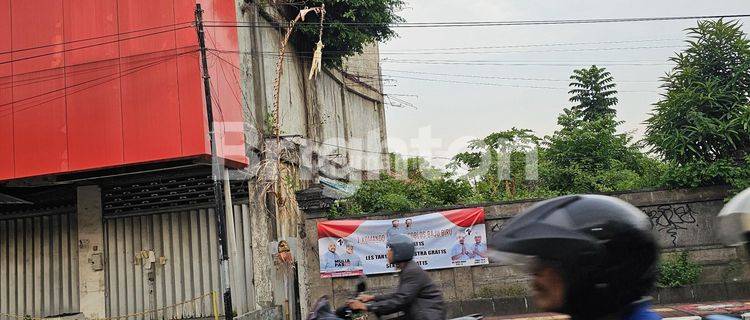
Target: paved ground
<point x="735" y="308"/>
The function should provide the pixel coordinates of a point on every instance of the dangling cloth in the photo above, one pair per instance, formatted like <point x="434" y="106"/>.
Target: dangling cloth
<point x="317" y="60"/>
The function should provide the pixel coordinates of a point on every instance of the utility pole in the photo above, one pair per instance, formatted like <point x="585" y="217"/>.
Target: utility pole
<point x="216" y="172"/>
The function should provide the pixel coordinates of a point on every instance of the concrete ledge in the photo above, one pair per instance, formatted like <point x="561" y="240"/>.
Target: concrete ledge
<point x="511" y="305"/>
<point x="454" y="309"/>
<point x="703" y="292"/>
<point x="482" y="306"/>
<point x="674" y="295"/>
<point x="738" y="290"/>
<point x="263" y="314"/>
<point x="710" y="292"/>
<point x="681" y="295"/>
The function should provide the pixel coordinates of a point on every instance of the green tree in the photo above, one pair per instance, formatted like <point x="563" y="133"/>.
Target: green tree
<point x="350" y="25"/>
<point x="587" y="154"/>
<point x="502" y="166"/>
<point x="590" y="156"/>
<point x="593" y="91"/>
<point x="701" y="126"/>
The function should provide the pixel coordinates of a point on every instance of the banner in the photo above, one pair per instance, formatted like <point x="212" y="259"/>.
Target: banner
<point x="446" y="239"/>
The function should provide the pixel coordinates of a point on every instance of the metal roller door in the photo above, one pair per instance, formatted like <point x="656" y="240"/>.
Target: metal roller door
<point x="39" y="264"/>
<point x="162" y="261"/>
<point x="165" y="265"/>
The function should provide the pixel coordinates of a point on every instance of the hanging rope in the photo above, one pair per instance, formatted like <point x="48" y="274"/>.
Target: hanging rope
<point x="277" y="94"/>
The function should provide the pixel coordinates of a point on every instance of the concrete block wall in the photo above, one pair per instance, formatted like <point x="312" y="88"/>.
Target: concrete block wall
<point x="682" y="220"/>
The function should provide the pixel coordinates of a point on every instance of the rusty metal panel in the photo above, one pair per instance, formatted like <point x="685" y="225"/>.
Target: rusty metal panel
<point x="185" y="269"/>
<point x="39" y="265"/>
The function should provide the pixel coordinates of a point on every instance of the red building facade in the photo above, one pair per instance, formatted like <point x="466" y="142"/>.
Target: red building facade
<point x="93" y="84"/>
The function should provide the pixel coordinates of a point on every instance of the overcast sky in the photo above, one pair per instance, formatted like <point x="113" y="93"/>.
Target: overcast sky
<point x="452" y="113"/>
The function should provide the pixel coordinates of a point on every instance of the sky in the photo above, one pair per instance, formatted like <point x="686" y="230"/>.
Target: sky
<point x="447" y="115"/>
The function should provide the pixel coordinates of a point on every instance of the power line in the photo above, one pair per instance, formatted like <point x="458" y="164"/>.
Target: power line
<point x="501" y="78"/>
<point x="500" y="84"/>
<point x="557" y="44"/>
<point x="501" y="63"/>
<point x="92" y="45"/>
<point x="304" y="55"/>
<point x="272" y="53"/>
<point x="464" y="82"/>
<point x="221" y="66"/>
<point x="96" y="38"/>
<point x="456" y="52"/>
<point x="62" y="72"/>
<point x="530" y="51"/>
<point x="455" y="24"/>
<point x="116" y="75"/>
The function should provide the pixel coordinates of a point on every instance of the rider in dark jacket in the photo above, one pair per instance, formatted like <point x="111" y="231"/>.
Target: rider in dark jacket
<point x="416" y="296"/>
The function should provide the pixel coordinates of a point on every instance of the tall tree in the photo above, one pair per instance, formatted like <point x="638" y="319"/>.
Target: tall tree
<point x="587" y="154"/>
<point x="593" y="91"/>
<point x="702" y="123"/>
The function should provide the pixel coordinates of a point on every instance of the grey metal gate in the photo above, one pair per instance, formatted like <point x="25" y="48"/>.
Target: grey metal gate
<point x="39" y="264"/>
<point x="165" y="265"/>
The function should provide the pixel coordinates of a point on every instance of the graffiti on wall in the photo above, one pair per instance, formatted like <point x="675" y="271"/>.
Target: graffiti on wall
<point x="497" y="225"/>
<point x="670" y="219"/>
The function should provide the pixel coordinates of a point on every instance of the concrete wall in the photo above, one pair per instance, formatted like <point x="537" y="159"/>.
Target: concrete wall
<point x="336" y="113"/>
<point x="338" y="121"/>
<point x="682" y="220"/>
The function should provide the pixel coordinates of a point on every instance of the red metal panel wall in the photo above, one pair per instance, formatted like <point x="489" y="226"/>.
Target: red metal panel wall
<point x="151" y="119"/>
<point x="92" y="77"/>
<point x="6" y="94"/>
<point x="39" y="125"/>
<point x="102" y="83"/>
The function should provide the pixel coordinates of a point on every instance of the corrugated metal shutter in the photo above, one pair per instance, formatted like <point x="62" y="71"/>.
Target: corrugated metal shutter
<point x="243" y="289"/>
<point x="187" y="264"/>
<point x="39" y="265"/>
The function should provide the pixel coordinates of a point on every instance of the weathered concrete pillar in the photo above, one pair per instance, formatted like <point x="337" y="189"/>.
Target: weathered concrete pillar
<point x="91" y="252"/>
<point x="261" y="236"/>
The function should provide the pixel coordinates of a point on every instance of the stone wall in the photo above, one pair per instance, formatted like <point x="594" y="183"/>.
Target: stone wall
<point x="681" y="219"/>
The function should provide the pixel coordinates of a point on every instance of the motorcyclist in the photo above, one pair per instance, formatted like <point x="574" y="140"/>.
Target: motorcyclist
<point x="416" y="296"/>
<point x="734" y="221"/>
<point x="591" y="256"/>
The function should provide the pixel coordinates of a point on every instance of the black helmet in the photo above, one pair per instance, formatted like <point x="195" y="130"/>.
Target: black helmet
<point x="602" y="246"/>
<point x="402" y="247"/>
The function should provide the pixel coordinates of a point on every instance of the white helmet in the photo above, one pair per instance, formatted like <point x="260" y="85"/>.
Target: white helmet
<point x="734" y="220"/>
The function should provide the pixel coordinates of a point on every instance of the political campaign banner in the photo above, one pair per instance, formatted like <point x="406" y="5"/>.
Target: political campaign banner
<point x="445" y="239"/>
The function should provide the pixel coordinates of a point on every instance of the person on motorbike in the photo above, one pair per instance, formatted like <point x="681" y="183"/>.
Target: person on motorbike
<point x="416" y="296"/>
<point x="734" y="230"/>
<point x="590" y="256"/>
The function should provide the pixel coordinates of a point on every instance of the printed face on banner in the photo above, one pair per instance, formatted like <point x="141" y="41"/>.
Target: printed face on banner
<point x="446" y="239"/>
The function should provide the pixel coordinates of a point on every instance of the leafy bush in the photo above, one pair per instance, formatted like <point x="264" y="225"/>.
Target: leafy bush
<point x="393" y="195"/>
<point x="678" y="270"/>
<point x="587" y="156"/>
